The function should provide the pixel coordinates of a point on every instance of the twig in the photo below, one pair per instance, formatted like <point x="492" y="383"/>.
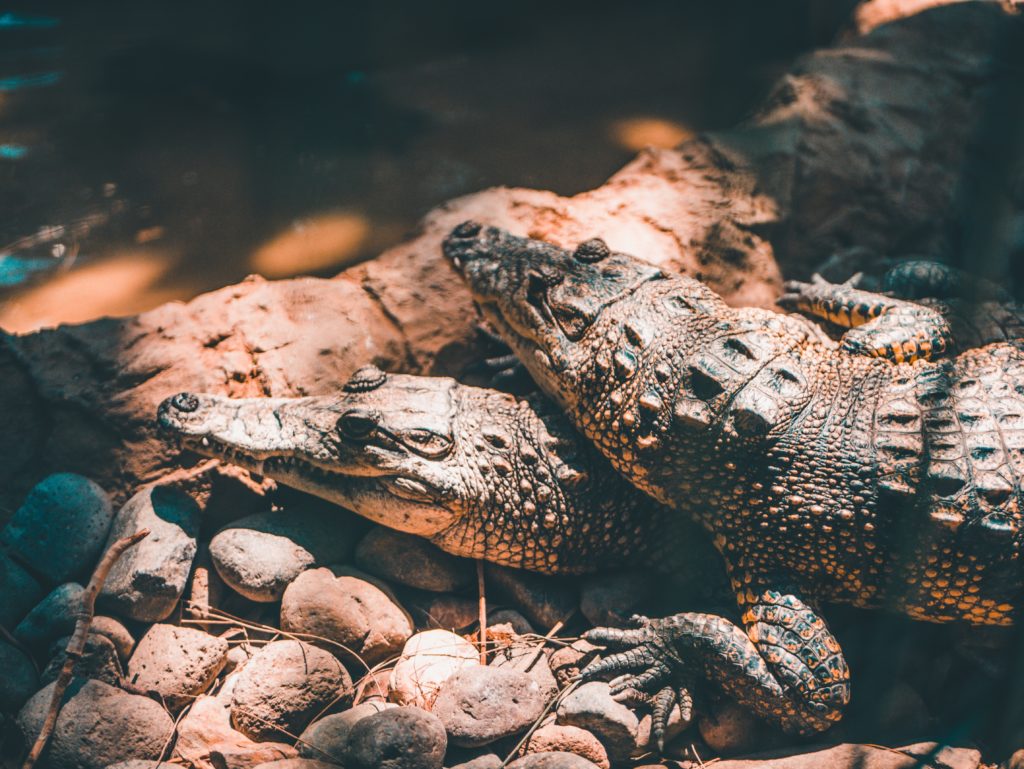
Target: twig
<point x="76" y="645"/>
<point x="482" y="609"/>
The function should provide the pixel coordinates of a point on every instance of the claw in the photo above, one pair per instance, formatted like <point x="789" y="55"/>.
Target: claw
<point x="661" y="711"/>
<point x="629" y="661"/>
<point x="617" y="638"/>
<point x="645" y="681"/>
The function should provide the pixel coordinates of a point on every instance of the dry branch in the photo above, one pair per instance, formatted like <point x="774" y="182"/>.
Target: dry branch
<point x="860" y="146"/>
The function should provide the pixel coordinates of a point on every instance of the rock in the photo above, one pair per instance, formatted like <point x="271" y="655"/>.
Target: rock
<point x="592" y="708"/>
<point x="237" y="656"/>
<point x="21" y="591"/>
<point x="609" y="600"/>
<point x="567" y="662"/>
<point x="479" y="705"/>
<point x="297" y="763"/>
<point x="260" y="555"/>
<point x="554" y="738"/>
<point x="901" y="711"/>
<point x="283" y="687"/>
<point x="347" y="610"/>
<point x="448" y="612"/>
<point x="118" y="634"/>
<point x="176" y="662"/>
<point x="732" y="730"/>
<point x="137" y="763"/>
<point x="428" y="660"/>
<point x="848" y="756"/>
<point x="543" y="600"/>
<point x="412" y="561"/>
<point x="206" y="739"/>
<point x="325" y="739"/>
<point x="529" y="658"/>
<point x="60" y="528"/>
<point x="1016" y="761"/>
<point x="552" y="761"/>
<point x="400" y="738"/>
<point x="98" y="725"/>
<point x="53" y="617"/>
<point x="99" y="661"/>
<point x="520" y="625"/>
<point x="147" y="581"/>
<point x="644" y="739"/>
<point x="250" y="755"/>
<point x="18" y="681"/>
<point x="488" y="761"/>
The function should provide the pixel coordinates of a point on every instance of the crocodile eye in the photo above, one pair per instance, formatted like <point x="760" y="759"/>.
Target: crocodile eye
<point x="358" y="423"/>
<point x="573" y="321"/>
<point x="427" y="443"/>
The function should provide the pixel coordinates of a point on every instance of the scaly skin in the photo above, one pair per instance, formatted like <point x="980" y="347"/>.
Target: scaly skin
<point x="822" y="474"/>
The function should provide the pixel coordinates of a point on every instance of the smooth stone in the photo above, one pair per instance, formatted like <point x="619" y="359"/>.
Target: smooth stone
<point x="148" y="579"/>
<point x="325" y="739"/>
<point x="479" y="705"/>
<point x="543" y="600"/>
<point x="349" y="611"/>
<point x="567" y="662"/>
<point x="178" y="663"/>
<point x="592" y="708"/>
<point x="609" y="600"/>
<point x="488" y="761"/>
<point x="98" y="725"/>
<point x="118" y="634"/>
<point x="399" y="738"/>
<point x="412" y="561"/>
<point x="374" y="686"/>
<point x="448" y="612"/>
<point x="554" y="738"/>
<point x="18" y="680"/>
<point x="21" y="591"/>
<point x="260" y="555"/>
<point x="136" y="763"/>
<point x="520" y="625"/>
<point x="428" y="660"/>
<point x="53" y="617"/>
<point x="60" y="528"/>
<point x="645" y="742"/>
<point x="284" y="686"/>
<point x="297" y="763"/>
<point x="558" y="760"/>
<point x="530" y="659"/>
<point x="849" y="756"/>
<point x="99" y="661"/>
<point x="731" y="730"/>
<point x="205" y="735"/>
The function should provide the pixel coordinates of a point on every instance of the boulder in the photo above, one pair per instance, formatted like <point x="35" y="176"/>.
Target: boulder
<point x="428" y="660"/>
<point x="399" y="738"/>
<point x="149" y="578"/>
<point x="178" y="663"/>
<point x="412" y="561"/>
<point x="479" y="705"/>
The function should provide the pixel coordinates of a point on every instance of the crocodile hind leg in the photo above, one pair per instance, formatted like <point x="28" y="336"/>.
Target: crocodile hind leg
<point x="786" y="667"/>
<point x="879" y="326"/>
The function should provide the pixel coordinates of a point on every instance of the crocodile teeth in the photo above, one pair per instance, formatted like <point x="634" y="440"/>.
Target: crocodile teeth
<point x="205" y="442"/>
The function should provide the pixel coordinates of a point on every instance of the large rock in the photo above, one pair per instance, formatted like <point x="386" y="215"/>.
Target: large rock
<point x="149" y="578"/>
<point x="412" y="561"/>
<point x="21" y="591"/>
<point x="479" y="705"/>
<point x="53" y="617"/>
<point x="99" y="660"/>
<point x="206" y="739"/>
<point x="542" y="599"/>
<point x="400" y="738"/>
<point x="18" y="679"/>
<point x="592" y="708"/>
<point x="60" y="528"/>
<point x="347" y="610"/>
<point x="557" y="760"/>
<point x="530" y="659"/>
<point x="177" y="662"/>
<point x="731" y="730"/>
<point x="284" y="686"/>
<point x="848" y="756"/>
<point x="325" y="739"/>
<point x="556" y="738"/>
<point x="428" y="660"/>
<point x="260" y="555"/>
<point x="98" y="725"/>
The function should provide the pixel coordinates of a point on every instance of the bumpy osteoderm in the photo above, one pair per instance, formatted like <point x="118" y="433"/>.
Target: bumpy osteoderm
<point x="824" y="472"/>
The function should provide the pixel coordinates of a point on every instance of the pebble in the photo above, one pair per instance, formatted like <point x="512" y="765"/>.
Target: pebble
<point x="530" y="659"/>
<point x="448" y="612"/>
<point x="98" y="725"/>
<point x="296" y="763"/>
<point x="554" y="738"/>
<point x="99" y="660"/>
<point x="520" y="625"/>
<point x="848" y="756"/>
<point x="412" y="561"/>
<point x="206" y="730"/>
<point x="60" y="528"/>
<point x="177" y="663"/>
<point x="53" y="617"/>
<point x="20" y="589"/>
<point x="347" y="610"/>
<point x="479" y="705"/>
<point x="149" y="578"/>
<point x="609" y="600"/>
<point x="19" y="680"/>
<point x="137" y="763"/>
<point x="325" y="739"/>
<point x="116" y="632"/>
<point x="732" y="730"/>
<point x="260" y="555"/>
<point x="543" y="600"/>
<point x="567" y="662"/>
<point x="592" y="708"/>
<point x="399" y="738"/>
<point x="552" y="761"/>
<point x="428" y="660"/>
<point x="487" y="761"/>
<point x="645" y="743"/>
<point x="283" y="687"/>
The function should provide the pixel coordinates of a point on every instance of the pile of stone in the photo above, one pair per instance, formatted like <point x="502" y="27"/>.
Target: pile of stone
<point x="300" y="638"/>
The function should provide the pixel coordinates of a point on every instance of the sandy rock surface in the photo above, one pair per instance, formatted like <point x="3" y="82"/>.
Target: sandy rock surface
<point x="428" y="660"/>
<point x="592" y="708"/>
<point x="178" y="663"/>
<point x="479" y="705"/>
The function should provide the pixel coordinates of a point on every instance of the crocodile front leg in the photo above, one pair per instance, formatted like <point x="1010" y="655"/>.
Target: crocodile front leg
<point x="879" y="326"/>
<point x="786" y="667"/>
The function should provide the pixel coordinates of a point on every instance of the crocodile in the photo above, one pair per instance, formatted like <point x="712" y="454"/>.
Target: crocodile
<point x="881" y="470"/>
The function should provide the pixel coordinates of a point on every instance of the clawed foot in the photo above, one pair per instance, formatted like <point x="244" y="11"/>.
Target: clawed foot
<point x="798" y="295"/>
<point x="648" y="672"/>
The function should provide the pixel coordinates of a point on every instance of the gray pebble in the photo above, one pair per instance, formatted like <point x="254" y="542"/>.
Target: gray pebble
<point x="116" y="632"/>
<point x="178" y="663"/>
<point x="53" y="617"/>
<point x="399" y="738"/>
<point x="325" y="739"/>
<point x="488" y="761"/>
<point x="412" y="561"/>
<point x="60" y="528"/>
<point x="149" y="578"/>
<point x="531" y="660"/>
<point x="18" y="681"/>
<point x="479" y="705"/>
<point x="592" y="708"/>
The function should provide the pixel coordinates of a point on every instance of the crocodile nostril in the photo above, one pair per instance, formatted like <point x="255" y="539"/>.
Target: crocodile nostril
<point x="186" y="402"/>
<point x="593" y="250"/>
<point x="468" y="229"/>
